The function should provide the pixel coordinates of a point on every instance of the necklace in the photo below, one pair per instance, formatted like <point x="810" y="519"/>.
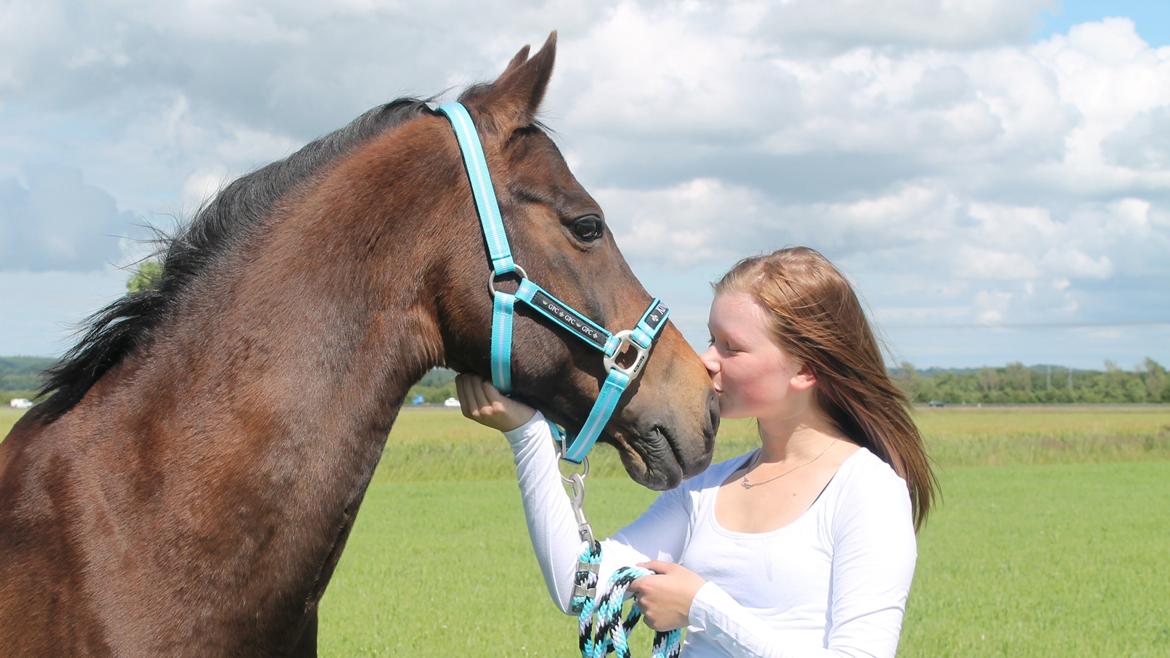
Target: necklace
<point x="748" y="485"/>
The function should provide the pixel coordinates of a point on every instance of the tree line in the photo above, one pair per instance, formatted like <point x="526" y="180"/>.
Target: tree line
<point x="1014" y="383"/>
<point x="1017" y="383"/>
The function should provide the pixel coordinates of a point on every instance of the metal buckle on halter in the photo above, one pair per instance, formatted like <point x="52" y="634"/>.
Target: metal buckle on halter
<point x="624" y="340"/>
<point x="493" y="277"/>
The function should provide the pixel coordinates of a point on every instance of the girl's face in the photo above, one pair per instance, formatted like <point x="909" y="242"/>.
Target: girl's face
<point x="753" y="376"/>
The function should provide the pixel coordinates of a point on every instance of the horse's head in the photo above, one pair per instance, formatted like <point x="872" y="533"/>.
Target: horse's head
<point x="665" y="425"/>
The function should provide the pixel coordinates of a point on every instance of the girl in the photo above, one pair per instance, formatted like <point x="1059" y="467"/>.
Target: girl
<point x="803" y="547"/>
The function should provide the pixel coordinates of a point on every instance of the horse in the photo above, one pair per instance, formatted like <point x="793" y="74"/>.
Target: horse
<point x="189" y="481"/>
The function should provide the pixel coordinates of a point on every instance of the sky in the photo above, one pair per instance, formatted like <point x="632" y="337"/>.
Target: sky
<point x="992" y="175"/>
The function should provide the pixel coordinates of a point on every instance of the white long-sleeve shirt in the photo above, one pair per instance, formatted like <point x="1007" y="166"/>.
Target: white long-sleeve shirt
<point x="833" y="582"/>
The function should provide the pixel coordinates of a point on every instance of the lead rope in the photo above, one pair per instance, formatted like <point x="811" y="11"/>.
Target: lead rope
<point x="601" y="629"/>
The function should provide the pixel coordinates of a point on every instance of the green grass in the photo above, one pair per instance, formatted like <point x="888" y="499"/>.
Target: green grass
<point x="1051" y="539"/>
<point x="463" y="582"/>
<point x="1063" y="559"/>
<point x="438" y="444"/>
<point x="1045" y="560"/>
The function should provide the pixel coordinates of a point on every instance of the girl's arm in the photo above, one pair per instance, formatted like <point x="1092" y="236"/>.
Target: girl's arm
<point x="660" y="533"/>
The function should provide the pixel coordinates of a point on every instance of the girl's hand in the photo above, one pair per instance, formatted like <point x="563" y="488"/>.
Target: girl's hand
<point x="665" y="598"/>
<point x="483" y="403"/>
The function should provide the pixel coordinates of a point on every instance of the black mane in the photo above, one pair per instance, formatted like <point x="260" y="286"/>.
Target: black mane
<point x="219" y="227"/>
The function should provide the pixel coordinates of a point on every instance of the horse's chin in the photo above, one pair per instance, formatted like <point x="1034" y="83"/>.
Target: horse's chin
<point x="649" y="459"/>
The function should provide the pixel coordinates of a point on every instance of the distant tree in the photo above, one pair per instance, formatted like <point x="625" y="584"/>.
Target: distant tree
<point x="1157" y="381"/>
<point x="1018" y="378"/>
<point x="907" y="380"/>
<point x="1113" y="384"/>
<point x="437" y="377"/>
<point x="148" y="276"/>
<point x="988" y="381"/>
<point x="1017" y="383"/>
<point x="22" y="374"/>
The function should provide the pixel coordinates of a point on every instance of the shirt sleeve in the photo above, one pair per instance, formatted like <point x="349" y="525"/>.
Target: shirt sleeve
<point x="660" y="532"/>
<point x="873" y="560"/>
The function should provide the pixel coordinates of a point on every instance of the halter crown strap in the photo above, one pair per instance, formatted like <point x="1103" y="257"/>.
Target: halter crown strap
<point x="481" y="188"/>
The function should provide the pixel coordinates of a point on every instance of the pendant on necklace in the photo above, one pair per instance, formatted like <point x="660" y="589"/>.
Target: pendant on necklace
<point x="745" y="483"/>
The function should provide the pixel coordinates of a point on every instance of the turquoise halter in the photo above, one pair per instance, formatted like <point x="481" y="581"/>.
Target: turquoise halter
<point x="640" y="338"/>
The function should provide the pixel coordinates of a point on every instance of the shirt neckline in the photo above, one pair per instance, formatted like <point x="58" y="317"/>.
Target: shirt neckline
<point x="807" y="513"/>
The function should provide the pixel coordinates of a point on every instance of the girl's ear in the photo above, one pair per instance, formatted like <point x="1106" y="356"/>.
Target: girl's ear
<point x="804" y="379"/>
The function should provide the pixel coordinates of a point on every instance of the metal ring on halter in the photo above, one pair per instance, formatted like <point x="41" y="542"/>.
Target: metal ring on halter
<point x="519" y="271"/>
<point x="562" y="447"/>
<point x="624" y="340"/>
<point x="583" y="473"/>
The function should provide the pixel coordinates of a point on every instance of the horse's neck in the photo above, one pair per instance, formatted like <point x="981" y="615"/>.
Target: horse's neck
<point x="254" y="422"/>
<point x="306" y="369"/>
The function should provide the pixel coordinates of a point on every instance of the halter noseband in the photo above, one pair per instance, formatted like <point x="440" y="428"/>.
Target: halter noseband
<point x="640" y="338"/>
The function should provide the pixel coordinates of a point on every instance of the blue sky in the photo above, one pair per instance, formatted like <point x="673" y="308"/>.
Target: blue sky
<point x="1151" y="18"/>
<point x="994" y="177"/>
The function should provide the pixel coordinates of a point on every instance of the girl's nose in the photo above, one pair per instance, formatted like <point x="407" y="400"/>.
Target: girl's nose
<point x="710" y="359"/>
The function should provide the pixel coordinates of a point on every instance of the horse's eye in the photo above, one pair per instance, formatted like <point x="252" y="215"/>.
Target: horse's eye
<point x="588" y="228"/>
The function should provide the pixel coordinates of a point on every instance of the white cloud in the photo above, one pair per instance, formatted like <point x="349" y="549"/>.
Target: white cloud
<point x="1143" y="143"/>
<point x="846" y="24"/>
<point x="684" y="224"/>
<point x="203" y="185"/>
<point x="991" y="306"/>
<point x="1013" y="225"/>
<point x="1074" y="263"/>
<point x="982" y="263"/>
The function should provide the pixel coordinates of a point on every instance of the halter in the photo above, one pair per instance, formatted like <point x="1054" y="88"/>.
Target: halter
<point x="640" y="338"/>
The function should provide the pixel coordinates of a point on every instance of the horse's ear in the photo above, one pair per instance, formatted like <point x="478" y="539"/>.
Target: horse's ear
<point x="519" y="59"/>
<point x="515" y="95"/>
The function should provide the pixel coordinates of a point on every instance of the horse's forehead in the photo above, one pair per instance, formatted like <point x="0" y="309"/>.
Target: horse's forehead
<point x="534" y="159"/>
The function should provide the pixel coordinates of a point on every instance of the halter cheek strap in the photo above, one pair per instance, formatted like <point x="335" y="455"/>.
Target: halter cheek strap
<point x="639" y="339"/>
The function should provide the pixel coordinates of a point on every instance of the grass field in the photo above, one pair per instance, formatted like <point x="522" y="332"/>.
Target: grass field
<point x="1053" y="538"/>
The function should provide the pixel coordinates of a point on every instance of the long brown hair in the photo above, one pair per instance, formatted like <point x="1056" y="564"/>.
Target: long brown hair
<point x="816" y="317"/>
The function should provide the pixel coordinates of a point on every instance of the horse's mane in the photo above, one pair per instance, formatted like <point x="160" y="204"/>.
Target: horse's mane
<point x="219" y="227"/>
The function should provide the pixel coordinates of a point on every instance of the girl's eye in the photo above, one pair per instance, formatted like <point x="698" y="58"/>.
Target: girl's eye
<point x="725" y="347"/>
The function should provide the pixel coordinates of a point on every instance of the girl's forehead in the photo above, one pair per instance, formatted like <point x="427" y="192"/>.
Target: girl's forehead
<point x="737" y="312"/>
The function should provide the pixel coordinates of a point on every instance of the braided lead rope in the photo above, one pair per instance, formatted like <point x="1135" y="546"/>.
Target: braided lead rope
<point x="612" y="632"/>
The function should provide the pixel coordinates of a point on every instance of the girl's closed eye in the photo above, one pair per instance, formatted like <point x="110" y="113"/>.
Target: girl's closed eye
<point x="723" y="347"/>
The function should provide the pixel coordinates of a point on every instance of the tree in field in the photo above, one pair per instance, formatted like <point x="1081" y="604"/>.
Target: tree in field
<point x="1018" y="379"/>
<point x="1157" y="381"/>
<point x="908" y="380"/>
<point x="988" y="381"/>
<point x="1113" y="384"/>
<point x="146" y="277"/>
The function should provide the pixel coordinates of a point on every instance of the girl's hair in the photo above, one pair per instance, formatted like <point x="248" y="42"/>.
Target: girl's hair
<point x="816" y="317"/>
